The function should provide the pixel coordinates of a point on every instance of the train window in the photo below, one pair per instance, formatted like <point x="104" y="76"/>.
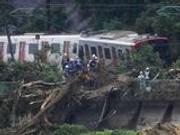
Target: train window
<point x="75" y="48"/>
<point x="13" y="48"/>
<point x="45" y="45"/>
<point x="81" y="52"/>
<point x="100" y="52"/>
<point x="120" y="53"/>
<point x="33" y="48"/>
<point x="55" y="48"/>
<point x="114" y="53"/>
<point x="107" y="53"/>
<point x="1" y="50"/>
<point x="93" y="50"/>
<point x="87" y="51"/>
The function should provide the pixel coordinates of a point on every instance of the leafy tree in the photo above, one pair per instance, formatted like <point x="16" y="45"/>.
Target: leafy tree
<point x="113" y="25"/>
<point x="36" y="21"/>
<point x="145" y="56"/>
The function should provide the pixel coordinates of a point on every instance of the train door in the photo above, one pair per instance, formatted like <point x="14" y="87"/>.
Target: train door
<point x="93" y="50"/>
<point x="107" y="54"/>
<point x="81" y="52"/>
<point x="100" y="52"/>
<point x="22" y="51"/>
<point x="66" y="47"/>
<point x="44" y="47"/>
<point x="87" y="53"/>
<point x="1" y="50"/>
<point x="114" y="56"/>
<point x="54" y="56"/>
<point x="75" y="49"/>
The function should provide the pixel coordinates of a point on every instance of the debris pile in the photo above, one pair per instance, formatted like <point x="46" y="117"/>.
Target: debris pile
<point x="35" y="103"/>
<point x="163" y="129"/>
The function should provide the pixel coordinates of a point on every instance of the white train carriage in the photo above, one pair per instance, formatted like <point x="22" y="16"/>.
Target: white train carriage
<point x="25" y="46"/>
<point x="108" y="46"/>
<point x="111" y="45"/>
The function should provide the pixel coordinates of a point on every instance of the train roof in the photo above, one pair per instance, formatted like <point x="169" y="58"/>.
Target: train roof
<point x="32" y="35"/>
<point x="128" y="38"/>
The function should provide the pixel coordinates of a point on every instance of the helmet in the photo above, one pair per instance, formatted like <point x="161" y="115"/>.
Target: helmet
<point x="65" y="54"/>
<point x="141" y="72"/>
<point x="94" y="56"/>
<point x="71" y="59"/>
<point x="66" y="66"/>
<point x="147" y="68"/>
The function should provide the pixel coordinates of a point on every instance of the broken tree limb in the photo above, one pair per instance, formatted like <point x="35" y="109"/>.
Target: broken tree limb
<point x="104" y="110"/>
<point x="156" y="76"/>
<point x="63" y="93"/>
<point x="40" y="82"/>
<point x="13" y="113"/>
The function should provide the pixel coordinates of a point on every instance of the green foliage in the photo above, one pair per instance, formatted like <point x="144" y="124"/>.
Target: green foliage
<point x="140" y="58"/>
<point x="151" y="22"/>
<point x="177" y="63"/>
<point x="81" y="130"/>
<point x="29" y="72"/>
<point x="111" y="132"/>
<point x="52" y="73"/>
<point x="145" y="56"/>
<point x="5" y="18"/>
<point x="69" y="130"/>
<point x="112" y="25"/>
<point x="121" y="67"/>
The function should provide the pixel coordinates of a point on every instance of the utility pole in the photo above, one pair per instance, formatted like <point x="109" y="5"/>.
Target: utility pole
<point x="9" y="42"/>
<point x="48" y="14"/>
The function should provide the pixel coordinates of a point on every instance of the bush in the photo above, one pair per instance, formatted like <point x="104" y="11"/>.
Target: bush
<point x="111" y="132"/>
<point x="140" y="58"/>
<point x="28" y="71"/>
<point x="70" y="130"/>
<point x="144" y="56"/>
<point x="52" y="73"/>
<point x="177" y="63"/>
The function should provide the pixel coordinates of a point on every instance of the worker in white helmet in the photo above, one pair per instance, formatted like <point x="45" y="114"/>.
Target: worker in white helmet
<point x="92" y="64"/>
<point x="147" y="78"/>
<point x="146" y="72"/>
<point x="65" y="60"/>
<point x="141" y="78"/>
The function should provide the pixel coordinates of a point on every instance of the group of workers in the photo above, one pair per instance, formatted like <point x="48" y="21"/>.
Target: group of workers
<point x="73" y="66"/>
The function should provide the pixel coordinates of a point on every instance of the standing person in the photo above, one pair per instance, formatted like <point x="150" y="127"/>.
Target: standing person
<point x="78" y="64"/>
<point x="65" y="61"/>
<point x="147" y="78"/>
<point x="141" y="78"/>
<point x="92" y="64"/>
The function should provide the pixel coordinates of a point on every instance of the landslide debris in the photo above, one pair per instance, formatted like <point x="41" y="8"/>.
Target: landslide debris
<point x="37" y="104"/>
<point x="163" y="129"/>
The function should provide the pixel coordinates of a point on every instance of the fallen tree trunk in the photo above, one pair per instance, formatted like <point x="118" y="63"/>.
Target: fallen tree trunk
<point x="40" y="82"/>
<point x="61" y="94"/>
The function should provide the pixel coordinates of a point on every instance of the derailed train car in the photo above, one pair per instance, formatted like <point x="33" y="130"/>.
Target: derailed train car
<point x="108" y="46"/>
<point x="111" y="45"/>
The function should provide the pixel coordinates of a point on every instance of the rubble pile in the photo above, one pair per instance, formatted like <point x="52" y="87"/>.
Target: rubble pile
<point x="35" y="103"/>
<point x="163" y="129"/>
